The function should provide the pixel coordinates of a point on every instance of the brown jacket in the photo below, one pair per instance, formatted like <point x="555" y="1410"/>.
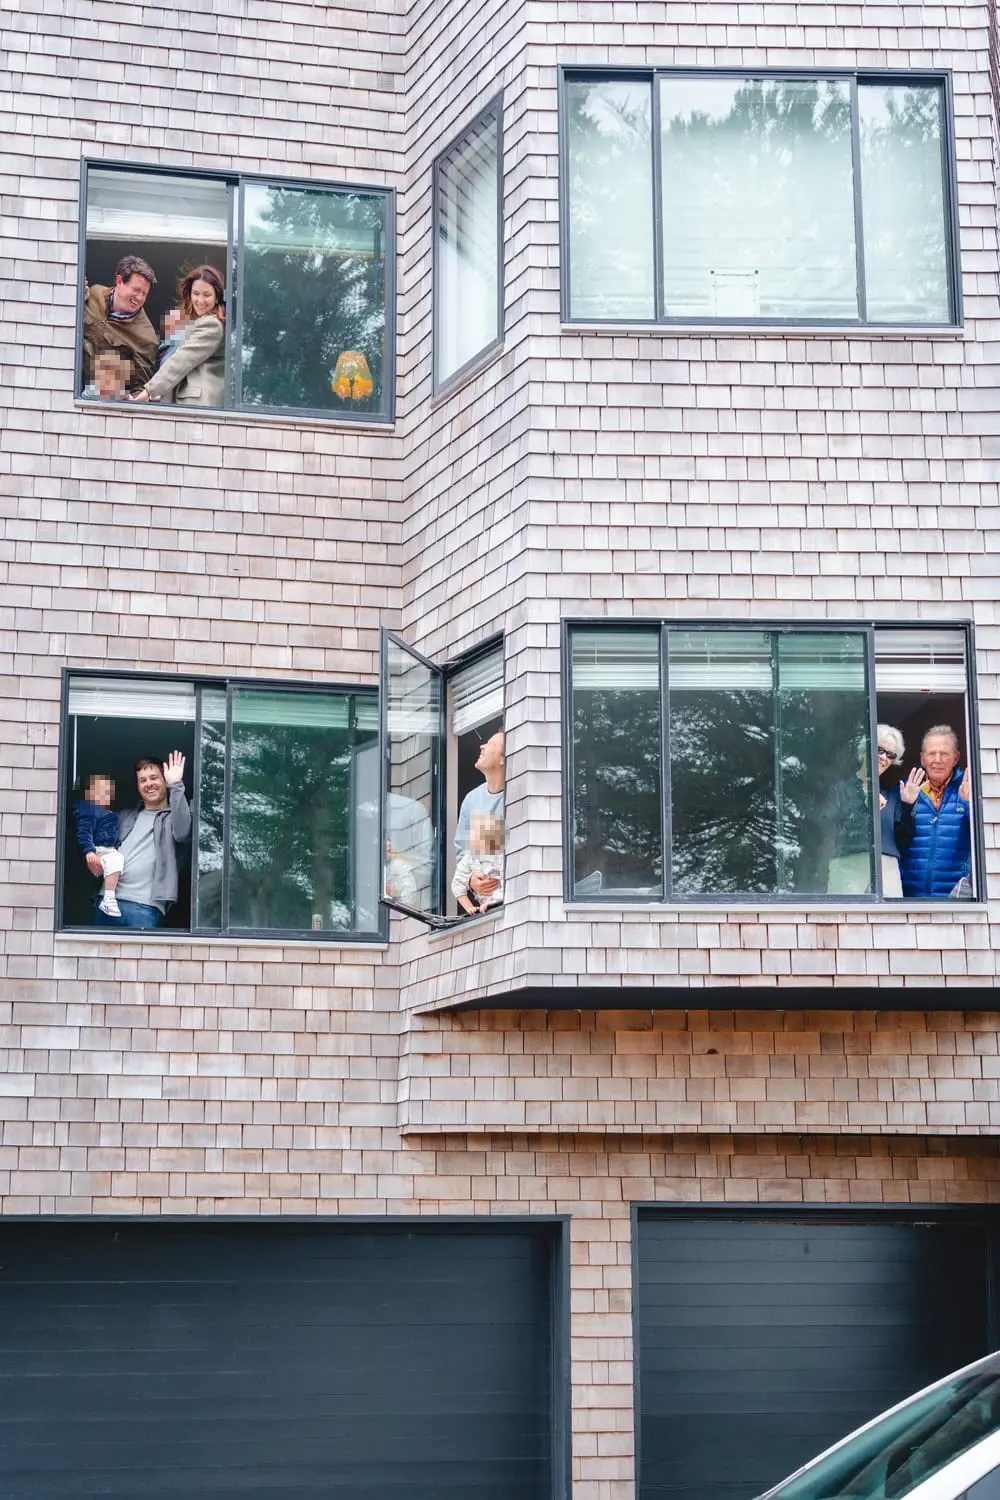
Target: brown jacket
<point x="134" y="337"/>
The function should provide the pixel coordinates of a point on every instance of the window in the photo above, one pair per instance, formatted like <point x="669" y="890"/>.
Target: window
<point x="278" y="829"/>
<point x="443" y="783"/>
<point x="715" y="761"/>
<point x="695" y="197"/>
<point x="468" y="264"/>
<point x="236" y="292"/>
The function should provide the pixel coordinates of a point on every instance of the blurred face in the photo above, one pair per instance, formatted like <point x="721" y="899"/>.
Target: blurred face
<point x="111" y="379"/>
<point x="490" y="761"/>
<point x="102" y="790"/>
<point x="152" y="787"/>
<point x="202" y="297"/>
<point x="939" y="758"/>
<point x="130" y="294"/>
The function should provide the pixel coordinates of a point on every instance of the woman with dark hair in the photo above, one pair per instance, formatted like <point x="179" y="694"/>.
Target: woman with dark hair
<point x="194" y="374"/>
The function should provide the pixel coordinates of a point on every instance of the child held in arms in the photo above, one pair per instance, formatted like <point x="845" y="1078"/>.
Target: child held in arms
<point x="484" y="856"/>
<point x="112" y="373"/>
<point x="97" y="834"/>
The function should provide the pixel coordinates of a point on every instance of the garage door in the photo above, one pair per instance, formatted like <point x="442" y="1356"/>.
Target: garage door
<point x="204" y="1360"/>
<point x="762" y="1339"/>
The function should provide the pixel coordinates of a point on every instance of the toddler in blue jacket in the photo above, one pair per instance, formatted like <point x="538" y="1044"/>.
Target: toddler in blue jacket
<point x="97" y="834"/>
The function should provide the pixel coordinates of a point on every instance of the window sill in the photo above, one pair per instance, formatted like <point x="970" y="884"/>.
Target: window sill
<point x="146" y="409"/>
<point x="471" y="924"/>
<point x="966" y="910"/>
<point x="907" y="331"/>
<point x="467" y="372"/>
<point x="104" y="937"/>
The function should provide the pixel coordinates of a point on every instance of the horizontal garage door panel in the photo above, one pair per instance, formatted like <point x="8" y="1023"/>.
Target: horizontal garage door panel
<point x="762" y="1340"/>
<point x="219" y="1360"/>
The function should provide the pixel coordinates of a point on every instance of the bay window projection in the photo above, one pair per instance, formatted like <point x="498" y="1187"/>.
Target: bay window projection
<point x="713" y="762"/>
<point x="283" y="786"/>
<point x="708" y="197"/>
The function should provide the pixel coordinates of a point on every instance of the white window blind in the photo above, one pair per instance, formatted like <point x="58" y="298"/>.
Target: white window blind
<point x="625" y="661"/>
<point x="131" y="698"/>
<point x="298" y="710"/>
<point x="920" y="661"/>
<point x="719" y="661"/>
<point x="152" y="206"/>
<point x="477" y="693"/>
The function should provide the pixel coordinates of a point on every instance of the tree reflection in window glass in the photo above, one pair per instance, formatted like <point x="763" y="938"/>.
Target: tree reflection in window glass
<point x="758" y="198"/>
<point x="767" y="734"/>
<point x="617" y="754"/>
<point x="211" y="808"/>
<point x="723" y="813"/>
<point x="313" y="275"/>
<point x="291" y="825"/>
<point x="610" y="199"/>
<point x="826" y="830"/>
<point x="906" y="261"/>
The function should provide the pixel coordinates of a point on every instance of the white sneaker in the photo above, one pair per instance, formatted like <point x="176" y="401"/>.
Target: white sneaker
<point x="109" y="905"/>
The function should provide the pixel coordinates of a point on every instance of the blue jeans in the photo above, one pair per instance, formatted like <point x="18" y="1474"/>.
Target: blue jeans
<point x="133" y="914"/>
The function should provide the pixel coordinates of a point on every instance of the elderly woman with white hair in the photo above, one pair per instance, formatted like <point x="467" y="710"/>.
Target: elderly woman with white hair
<point x="895" y="808"/>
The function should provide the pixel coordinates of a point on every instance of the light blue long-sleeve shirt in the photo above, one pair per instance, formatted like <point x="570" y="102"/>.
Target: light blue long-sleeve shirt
<point x="479" y="800"/>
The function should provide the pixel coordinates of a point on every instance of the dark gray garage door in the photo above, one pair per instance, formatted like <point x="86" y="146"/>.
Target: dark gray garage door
<point x="198" y="1360"/>
<point x="763" y="1339"/>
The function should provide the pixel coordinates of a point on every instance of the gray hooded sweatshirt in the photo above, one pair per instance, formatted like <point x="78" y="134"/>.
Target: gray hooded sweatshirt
<point x="171" y="826"/>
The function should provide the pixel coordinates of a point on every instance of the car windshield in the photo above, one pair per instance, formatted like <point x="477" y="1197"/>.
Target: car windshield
<point x="888" y="1460"/>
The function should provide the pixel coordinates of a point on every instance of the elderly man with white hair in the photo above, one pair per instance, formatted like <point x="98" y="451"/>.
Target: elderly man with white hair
<point x="938" y="861"/>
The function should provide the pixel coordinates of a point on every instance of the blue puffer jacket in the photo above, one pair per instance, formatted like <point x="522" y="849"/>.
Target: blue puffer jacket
<point x="941" y="851"/>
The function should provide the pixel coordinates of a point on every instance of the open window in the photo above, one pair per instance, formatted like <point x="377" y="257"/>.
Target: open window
<point x="443" y="825"/>
<point x="206" y="290"/>
<point x="278" y="835"/>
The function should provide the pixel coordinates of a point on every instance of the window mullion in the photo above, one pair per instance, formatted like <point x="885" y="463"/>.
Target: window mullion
<point x="237" y="260"/>
<point x="195" y="801"/>
<point x="658" y="270"/>
<point x="780" y="867"/>
<point x="873" y="753"/>
<point x="859" y="220"/>
<point x="227" y="801"/>
<point x="666" y="798"/>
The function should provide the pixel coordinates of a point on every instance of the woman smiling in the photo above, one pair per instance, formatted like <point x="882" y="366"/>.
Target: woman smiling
<point x="194" y="375"/>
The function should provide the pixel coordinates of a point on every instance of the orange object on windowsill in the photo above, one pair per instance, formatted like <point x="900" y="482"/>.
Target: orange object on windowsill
<point x="352" y="379"/>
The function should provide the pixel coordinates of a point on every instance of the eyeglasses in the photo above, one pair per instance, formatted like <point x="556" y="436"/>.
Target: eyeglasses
<point x="889" y="754"/>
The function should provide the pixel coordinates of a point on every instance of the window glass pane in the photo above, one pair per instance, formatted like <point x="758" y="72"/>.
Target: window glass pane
<point x="902" y="176"/>
<point x="467" y="300"/>
<point x="171" y="224"/>
<point x="758" y="199"/>
<point x="413" y="709"/>
<point x="211" y="809"/>
<point x="722" y="762"/>
<point x="313" y="277"/>
<point x="616" y="762"/>
<point x="826" y="827"/>
<point x="291" y="835"/>
<point x="112" y="724"/>
<point x="610" y="199"/>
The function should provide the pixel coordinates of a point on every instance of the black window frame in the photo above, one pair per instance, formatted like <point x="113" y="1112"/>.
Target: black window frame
<point x="234" y="181"/>
<point x="444" y="671"/>
<point x="226" y="685"/>
<point x="941" y="77"/>
<point x="492" y="110"/>
<point x="669" y="899"/>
